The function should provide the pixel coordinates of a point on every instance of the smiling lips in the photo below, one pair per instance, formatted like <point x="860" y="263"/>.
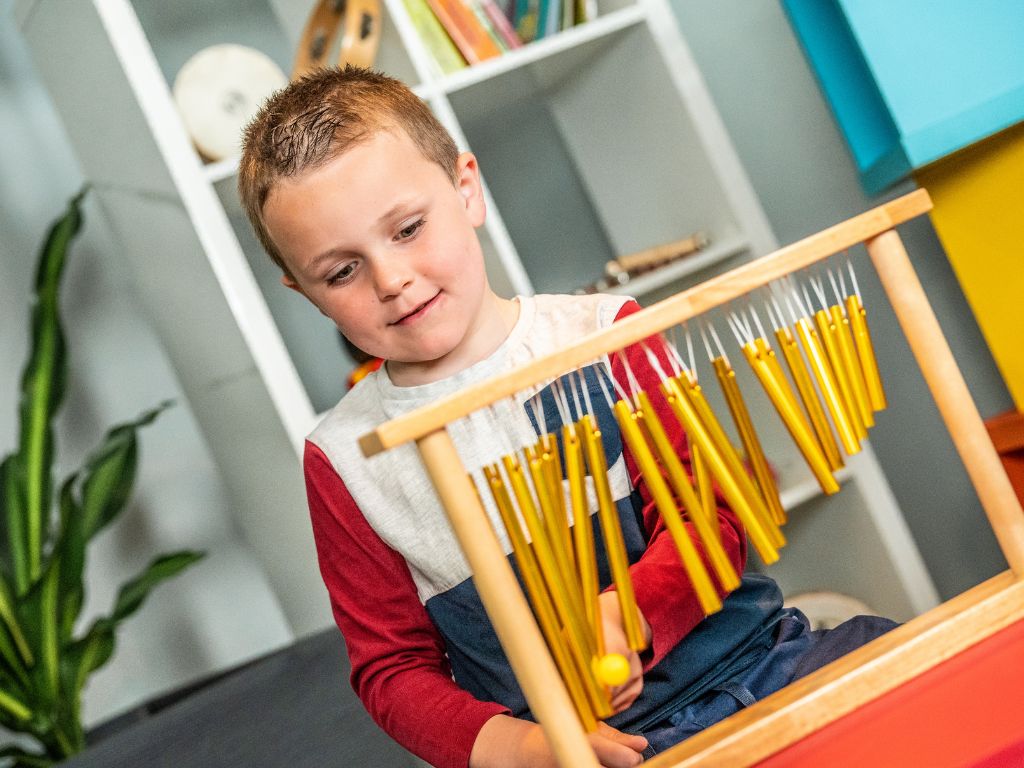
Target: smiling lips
<point x="417" y="313"/>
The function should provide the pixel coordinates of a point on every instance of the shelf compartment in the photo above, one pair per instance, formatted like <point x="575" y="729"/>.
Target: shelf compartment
<point x="670" y="274"/>
<point x="590" y="157"/>
<point x="542" y="49"/>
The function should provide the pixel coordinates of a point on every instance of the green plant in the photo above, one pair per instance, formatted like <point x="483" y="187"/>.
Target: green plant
<point x="44" y="665"/>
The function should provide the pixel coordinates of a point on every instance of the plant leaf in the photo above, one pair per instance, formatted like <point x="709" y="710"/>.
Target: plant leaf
<point x="13" y="626"/>
<point x="12" y="499"/>
<point x="42" y="387"/>
<point x="15" y="707"/>
<point x="134" y="592"/>
<point x="70" y="550"/>
<point x="37" y="611"/>
<point x="94" y="649"/>
<point x="24" y="758"/>
<point x="110" y="472"/>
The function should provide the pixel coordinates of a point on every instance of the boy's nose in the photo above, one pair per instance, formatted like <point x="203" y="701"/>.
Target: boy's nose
<point x="390" y="279"/>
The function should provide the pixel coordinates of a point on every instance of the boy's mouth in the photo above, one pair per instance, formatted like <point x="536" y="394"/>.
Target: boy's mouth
<point x="418" y="312"/>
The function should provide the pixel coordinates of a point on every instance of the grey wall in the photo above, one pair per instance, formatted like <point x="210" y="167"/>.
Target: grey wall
<point x="796" y="158"/>
<point x="222" y="611"/>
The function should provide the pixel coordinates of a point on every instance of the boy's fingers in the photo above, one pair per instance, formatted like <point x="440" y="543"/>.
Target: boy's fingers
<point x="612" y="754"/>
<point x="624" y="697"/>
<point x="634" y="742"/>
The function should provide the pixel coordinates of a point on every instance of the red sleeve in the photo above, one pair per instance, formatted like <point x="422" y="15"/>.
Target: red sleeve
<point x="664" y="593"/>
<point x="399" y="667"/>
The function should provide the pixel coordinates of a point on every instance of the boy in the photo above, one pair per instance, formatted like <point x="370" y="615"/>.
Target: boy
<point x="365" y="203"/>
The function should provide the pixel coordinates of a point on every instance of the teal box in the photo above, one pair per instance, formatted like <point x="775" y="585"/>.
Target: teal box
<point x="911" y="81"/>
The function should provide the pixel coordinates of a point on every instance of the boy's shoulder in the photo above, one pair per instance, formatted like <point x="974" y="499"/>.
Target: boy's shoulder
<point x="358" y="412"/>
<point x="582" y="312"/>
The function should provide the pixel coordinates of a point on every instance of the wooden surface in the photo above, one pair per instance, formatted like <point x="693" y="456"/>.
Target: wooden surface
<point x="956" y="715"/>
<point x="950" y="391"/>
<point x="843" y="686"/>
<point x="664" y="314"/>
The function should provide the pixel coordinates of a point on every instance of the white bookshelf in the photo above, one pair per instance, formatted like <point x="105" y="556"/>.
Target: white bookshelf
<point x="594" y="143"/>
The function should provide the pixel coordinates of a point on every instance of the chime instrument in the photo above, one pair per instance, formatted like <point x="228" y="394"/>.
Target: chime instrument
<point x="545" y="486"/>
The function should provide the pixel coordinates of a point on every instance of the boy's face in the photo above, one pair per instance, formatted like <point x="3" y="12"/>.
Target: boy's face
<point x="383" y="243"/>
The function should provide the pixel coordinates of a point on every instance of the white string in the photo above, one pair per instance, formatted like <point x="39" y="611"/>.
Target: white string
<point x="707" y="344"/>
<point x="634" y="385"/>
<point x="540" y="418"/>
<point x="689" y="352"/>
<point x="586" y="390"/>
<point x="571" y="386"/>
<point x="674" y="358"/>
<point x="718" y="341"/>
<point x="853" y="277"/>
<point x="652" y="359"/>
<point x="601" y="376"/>
<point x="757" y="322"/>
<point x="819" y="290"/>
<point x="787" y="295"/>
<point x="737" y="329"/>
<point x="807" y="298"/>
<point x="561" y="402"/>
<point x="835" y="287"/>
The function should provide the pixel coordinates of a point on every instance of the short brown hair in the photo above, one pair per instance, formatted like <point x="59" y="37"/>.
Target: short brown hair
<point x="316" y="118"/>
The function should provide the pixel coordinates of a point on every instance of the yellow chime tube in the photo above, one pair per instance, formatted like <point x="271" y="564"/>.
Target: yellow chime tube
<point x="540" y="599"/>
<point x="705" y="525"/>
<point x="769" y="373"/>
<point x="821" y="367"/>
<point x="611" y="532"/>
<point x="812" y="405"/>
<point x="748" y="436"/>
<point x="865" y="351"/>
<point x="829" y="335"/>
<point x="688" y="385"/>
<point x="583" y="534"/>
<point x="581" y="646"/>
<point x="848" y="353"/>
<point x="694" y="566"/>
<point x="737" y="488"/>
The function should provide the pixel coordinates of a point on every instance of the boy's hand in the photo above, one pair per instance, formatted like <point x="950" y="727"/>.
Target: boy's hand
<point x="506" y="742"/>
<point x="615" y="642"/>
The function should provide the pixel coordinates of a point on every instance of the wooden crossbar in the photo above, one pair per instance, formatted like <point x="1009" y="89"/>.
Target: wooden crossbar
<point x="654" y="319"/>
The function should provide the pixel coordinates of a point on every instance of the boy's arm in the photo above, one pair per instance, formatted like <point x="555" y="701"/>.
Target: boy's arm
<point x="664" y="594"/>
<point x="399" y="667"/>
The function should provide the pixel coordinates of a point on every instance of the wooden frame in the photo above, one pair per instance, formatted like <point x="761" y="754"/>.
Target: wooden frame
<point x="835" y="690"/>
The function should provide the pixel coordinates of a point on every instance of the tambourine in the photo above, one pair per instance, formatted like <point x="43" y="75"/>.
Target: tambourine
<point x="360" y="35"/>
<point x="219" y="90"/>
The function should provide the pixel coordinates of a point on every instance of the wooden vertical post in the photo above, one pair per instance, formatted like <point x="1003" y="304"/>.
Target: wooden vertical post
<point x="951" y="394"/>
<point x="505" y="604"/>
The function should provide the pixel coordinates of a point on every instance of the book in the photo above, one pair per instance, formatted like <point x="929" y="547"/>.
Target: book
<point x="469" y="35"/>
<point x="434" y="37"/>
<point x="477" y="10"/>
<point x="550" y="17"/>
<point x="525" y="21"/>
<point x="500" y="24"/>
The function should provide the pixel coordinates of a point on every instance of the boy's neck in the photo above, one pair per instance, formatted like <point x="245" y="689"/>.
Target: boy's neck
<point x="497" y="318"/>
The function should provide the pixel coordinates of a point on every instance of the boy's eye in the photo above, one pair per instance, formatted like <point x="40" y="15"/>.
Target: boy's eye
<point x="343" y="274"/>
<point x="409" y="231"/>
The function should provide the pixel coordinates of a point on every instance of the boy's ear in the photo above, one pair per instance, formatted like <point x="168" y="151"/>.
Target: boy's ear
<point x="470" y="187"/>
<point x="289" y="282"/>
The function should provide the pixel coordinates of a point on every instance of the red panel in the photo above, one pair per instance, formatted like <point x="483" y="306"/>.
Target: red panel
<point x="966" y="713"/>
